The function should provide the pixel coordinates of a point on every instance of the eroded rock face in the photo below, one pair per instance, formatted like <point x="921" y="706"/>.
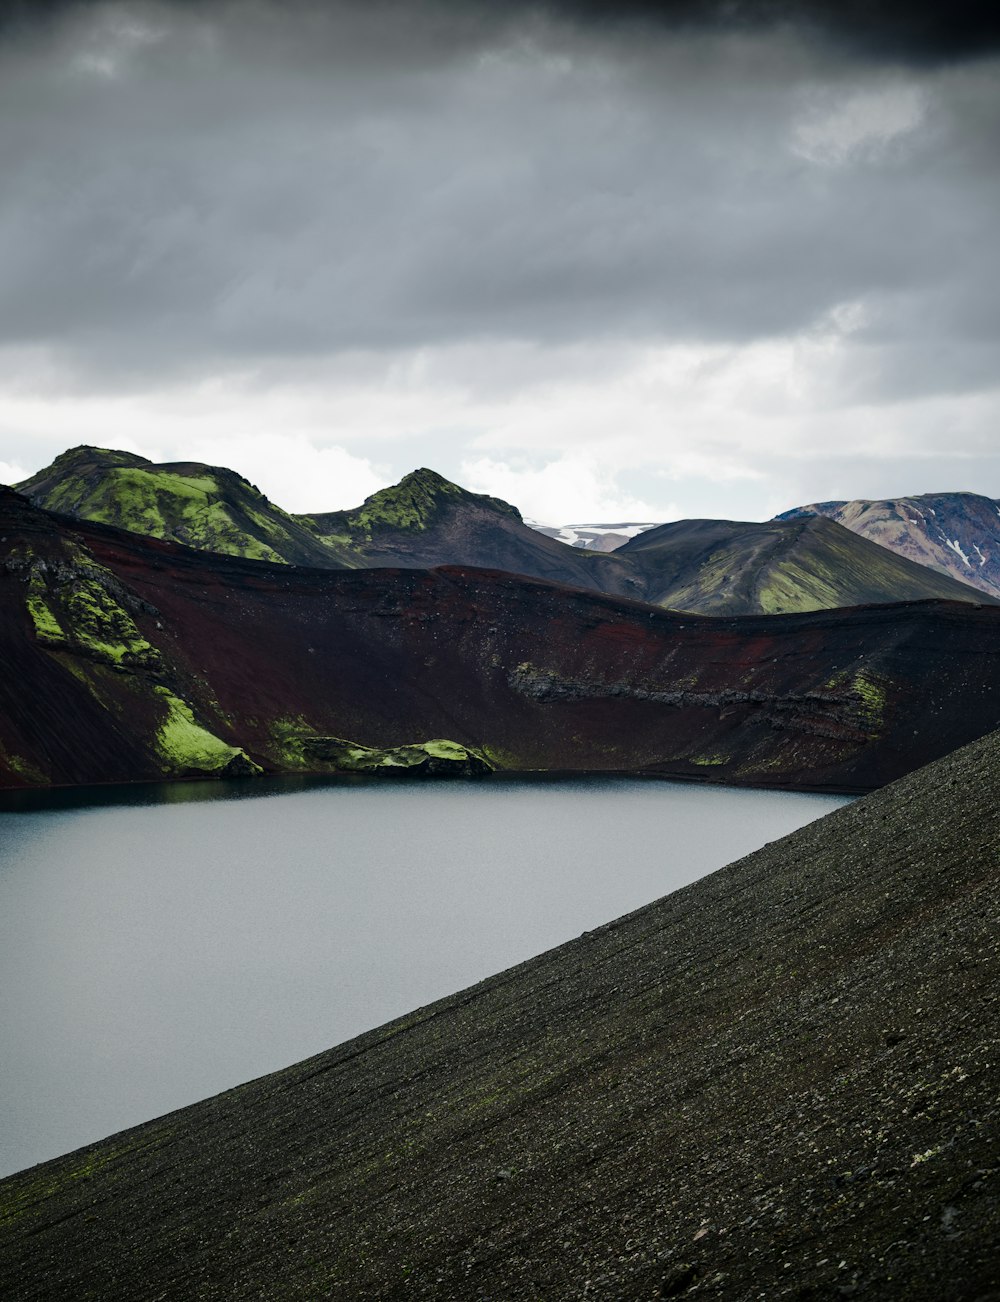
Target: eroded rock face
<point x="438" y="758"/>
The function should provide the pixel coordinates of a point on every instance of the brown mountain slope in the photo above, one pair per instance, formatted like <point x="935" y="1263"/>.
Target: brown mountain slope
<point x="957" y="534"/>
<point x="777" y="1083"/>
<point x="721" y="567"/>
<point x="130" y="659"/>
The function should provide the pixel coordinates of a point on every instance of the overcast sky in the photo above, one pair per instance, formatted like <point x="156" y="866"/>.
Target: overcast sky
<point x="632" y="261"/>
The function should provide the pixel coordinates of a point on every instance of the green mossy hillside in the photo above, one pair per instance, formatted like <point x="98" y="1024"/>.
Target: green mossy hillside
<point x="209" y="508"/>
<point x="414" y="503"/>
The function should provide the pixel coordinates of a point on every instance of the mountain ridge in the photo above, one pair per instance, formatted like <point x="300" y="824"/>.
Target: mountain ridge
<point x="736" y="567"/>
<point x="957" y="534"/>
<point x="426" y="521"/>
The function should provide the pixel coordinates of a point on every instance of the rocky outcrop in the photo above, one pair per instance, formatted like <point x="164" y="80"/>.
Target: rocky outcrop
<point x="438" y="758"/>
<point x="779" y="1082"/>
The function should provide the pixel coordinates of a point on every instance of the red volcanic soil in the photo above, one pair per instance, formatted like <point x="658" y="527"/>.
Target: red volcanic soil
<point x="538" y="675"/>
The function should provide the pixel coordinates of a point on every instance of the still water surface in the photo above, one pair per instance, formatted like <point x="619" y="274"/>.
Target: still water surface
<point x="167" y="943"/>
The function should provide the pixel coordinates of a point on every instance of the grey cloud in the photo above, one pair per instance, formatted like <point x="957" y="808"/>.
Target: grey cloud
<point x="921" y="31"/>
<point x="189" y="189"/>
<point x="914" y="30"/>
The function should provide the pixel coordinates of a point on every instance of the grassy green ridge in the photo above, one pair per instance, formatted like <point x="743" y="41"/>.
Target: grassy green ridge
<point x="210" y="508"/>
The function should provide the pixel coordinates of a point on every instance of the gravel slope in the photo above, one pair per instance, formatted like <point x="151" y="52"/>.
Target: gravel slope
<point x="780" y="1082"/>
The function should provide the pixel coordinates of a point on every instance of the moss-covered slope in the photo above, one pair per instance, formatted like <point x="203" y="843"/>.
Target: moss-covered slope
<point x="719" y="567"/>
<point x="777" y="1083"/>
<point x="95" y="698"/>
<point x="207" y="507"/>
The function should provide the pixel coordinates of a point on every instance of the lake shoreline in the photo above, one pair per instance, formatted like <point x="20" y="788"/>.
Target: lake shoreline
<point x="777" y="1080"/>
<point x="61" y="795"/>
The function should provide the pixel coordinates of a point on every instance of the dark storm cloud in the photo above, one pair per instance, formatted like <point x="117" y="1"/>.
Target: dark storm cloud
<point x="902" y="29"/>
<point x="190" y="187"/>
<point x="928" y="31"/>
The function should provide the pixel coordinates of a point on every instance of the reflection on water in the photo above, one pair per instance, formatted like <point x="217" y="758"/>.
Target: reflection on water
<point x="158" y="944"/>
<point x="165" y="793"/>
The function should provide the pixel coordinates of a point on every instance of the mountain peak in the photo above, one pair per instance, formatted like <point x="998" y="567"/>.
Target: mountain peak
<point x="416" y="501"/>
<point x="85" y="457"/>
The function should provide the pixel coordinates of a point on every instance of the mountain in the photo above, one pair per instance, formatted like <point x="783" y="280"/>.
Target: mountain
<point x="721" y="567"/>
<point x="593" y="537"/>
<point x="207" y="507"/>
<point x="422" y="521"/>
<point x="954" y="533"/>
<point x="425" y="521"/>
<point x="129" y="658"/>
<point x="710" y="567"/>
<point x="778" y="1082"/>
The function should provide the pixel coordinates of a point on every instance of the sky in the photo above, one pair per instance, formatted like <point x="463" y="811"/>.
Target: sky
<point x="608" y="261"/>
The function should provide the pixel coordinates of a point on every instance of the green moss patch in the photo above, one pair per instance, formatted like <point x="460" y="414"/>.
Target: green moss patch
<point x="870" y="692"/>
<point x="411" y="504"/>
<point x="24" y="768"/>
<point x="438" y="757"/>
<point x="47" y="627"/>
<point x="167" y="504"/>
<point x="288" y="737"/>
<point x="72" y="609"/>
<point x="185" y="745"/>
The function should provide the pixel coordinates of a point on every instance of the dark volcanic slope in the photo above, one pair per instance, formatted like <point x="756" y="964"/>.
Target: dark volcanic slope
<point x="780" y="1082"/>
<point x="954" y="533"/>
<point x="130" y="659"/>
<point x="720" y="567"/>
